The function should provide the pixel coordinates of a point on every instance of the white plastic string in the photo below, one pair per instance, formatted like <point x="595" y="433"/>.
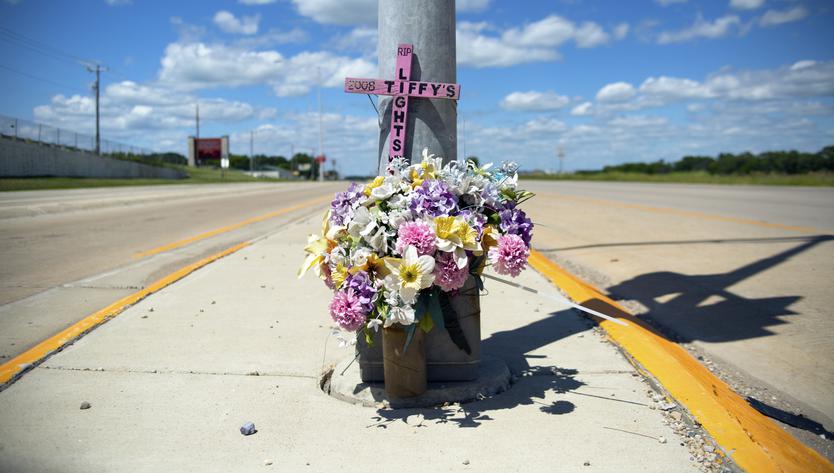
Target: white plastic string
<point x="555" y="297"/>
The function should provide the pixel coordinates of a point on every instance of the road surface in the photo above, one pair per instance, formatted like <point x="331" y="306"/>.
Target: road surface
<point x="742" y="272"/>
<point x="67" y="254"/>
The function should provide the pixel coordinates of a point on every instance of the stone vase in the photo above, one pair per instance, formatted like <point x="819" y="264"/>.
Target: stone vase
<point x="405" y="369"/>
<point x="444" y="360"/>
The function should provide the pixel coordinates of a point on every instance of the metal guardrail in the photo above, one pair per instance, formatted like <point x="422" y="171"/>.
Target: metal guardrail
<point x="26" y="130"/>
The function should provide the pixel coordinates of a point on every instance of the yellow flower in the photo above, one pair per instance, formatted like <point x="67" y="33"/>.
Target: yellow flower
<point x="374" y="266"/>
<point x="468" y="236"/>
<point x="339" y="275"/>
<point x="373" y="185"/>
<point x="446" y="228"/>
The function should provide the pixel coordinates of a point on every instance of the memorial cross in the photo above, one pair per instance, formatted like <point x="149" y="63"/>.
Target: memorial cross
<point x="402" y="87"/>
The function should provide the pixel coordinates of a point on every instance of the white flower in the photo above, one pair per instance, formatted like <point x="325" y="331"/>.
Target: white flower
<point x="362" y="222"/>
<point x="403" y="315"/>
<point x="411" y="274"/>
<point x="374" y="323"/>
<point x="378" y="240"/>
<point x="389" y="186"/>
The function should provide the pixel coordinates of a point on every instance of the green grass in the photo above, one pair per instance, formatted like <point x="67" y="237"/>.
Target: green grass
<point x="195" y="176"/>
<point x="815" y="179"/>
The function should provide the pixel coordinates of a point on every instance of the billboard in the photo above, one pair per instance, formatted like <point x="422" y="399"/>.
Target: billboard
<point x="208" y="149"/>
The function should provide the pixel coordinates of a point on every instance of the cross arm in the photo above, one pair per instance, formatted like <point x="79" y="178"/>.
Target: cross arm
<point x="429" y="90"/>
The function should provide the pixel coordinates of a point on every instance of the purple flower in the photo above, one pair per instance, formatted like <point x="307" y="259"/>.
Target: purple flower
<point x="347" y="310"/>
<point x="509" y="256"/>
<point x="447" y="275"/>
<point x="418" y="234"/>
<point x="363" y="288"/>
<point x="515" y="222"/>
<point x="475" y="219"/>
<point x="345" y="203"/>
<point x="433" y="198"/>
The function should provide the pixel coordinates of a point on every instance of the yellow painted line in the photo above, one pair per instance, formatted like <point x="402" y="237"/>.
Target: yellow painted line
<point x="691" y="213"/>
<point x="39" y="352"/>
<point x="228" y="228"/>
<point x="754" y="441"/>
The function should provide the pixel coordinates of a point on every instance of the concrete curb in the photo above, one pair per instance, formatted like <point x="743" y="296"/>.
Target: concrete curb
<point x="753" y="441"/>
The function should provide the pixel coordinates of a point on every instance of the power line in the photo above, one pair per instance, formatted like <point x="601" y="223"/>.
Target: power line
<point x="43" y="79"/>
<point x="41" y="47"/>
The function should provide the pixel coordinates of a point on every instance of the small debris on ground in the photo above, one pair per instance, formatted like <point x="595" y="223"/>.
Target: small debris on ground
<point x="144" y="316"/>
<point x="85" y="405"/>
<point x="586" y="464"/>
<point x="150" y="310"/>
<point x="661" y="439"/>
<point x="267" y="462"/>
<point x="667" y="406"/>
<point x="466" y="462"/>
<point x="248" y="429"/>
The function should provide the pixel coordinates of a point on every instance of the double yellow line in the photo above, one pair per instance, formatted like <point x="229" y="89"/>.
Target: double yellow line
<point x="35" y="355"/>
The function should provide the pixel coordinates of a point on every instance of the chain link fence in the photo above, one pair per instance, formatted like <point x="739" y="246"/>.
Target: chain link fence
<point x="15" y="128"/>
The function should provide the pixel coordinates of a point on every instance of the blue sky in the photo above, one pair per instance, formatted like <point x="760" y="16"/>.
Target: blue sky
<point x="608" y="81"/>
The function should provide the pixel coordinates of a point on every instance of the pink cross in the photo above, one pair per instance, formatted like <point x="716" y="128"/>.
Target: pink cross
<point x="401" y="88"/>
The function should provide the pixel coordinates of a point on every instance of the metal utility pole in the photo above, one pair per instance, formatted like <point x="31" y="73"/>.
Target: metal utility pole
<point x="321" y="152"/>
<point x="430" y="26"/>
<point x="251" y="149"/>
<point x="197" y="117"/>
<point x="98" y="69"/>
<point x="561" y="154"/>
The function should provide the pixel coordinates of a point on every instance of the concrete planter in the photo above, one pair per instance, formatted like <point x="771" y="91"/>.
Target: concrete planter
<point x="444" y="360"/>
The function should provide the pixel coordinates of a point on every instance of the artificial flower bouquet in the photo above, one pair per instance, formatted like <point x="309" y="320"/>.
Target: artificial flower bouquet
<point x="394" y="250"/>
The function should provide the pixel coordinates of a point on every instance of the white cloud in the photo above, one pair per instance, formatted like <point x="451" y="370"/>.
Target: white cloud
<point x="272" y="37"/>
<point x="362" y="38"/>
<point x="672" y="88"/>
<point x="534" y="101"/>
<point x="746" y="4"/>
<point x="478" y="50"/>
<point x="362" y="12"/>
<point x="482" y="45"/>
<point x="590" y="35"/>
<point x="582" y="109"/>
<point x="472" y="5"/>
<point x="227" y="22"/>
<point x="621" y="31"/>
<point x="198" y="65"/>
<point x="778" y="17"/>
<point x="256" y="2"/>
<point x="801" y="80"/>
<point x="616" y="92"/>
<point x="549" y="31"/>
<point x="701" y="29"/>
<point x="339" y="12"/>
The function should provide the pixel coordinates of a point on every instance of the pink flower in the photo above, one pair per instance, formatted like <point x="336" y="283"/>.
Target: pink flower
<point x="417" y="234"/>
<point x="510" y="256"/>
<point x="347" y="310"/>
<point x="447" y="275"/>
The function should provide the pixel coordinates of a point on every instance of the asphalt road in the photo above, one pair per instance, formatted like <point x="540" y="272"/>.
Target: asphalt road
<point x="743" y="273"/>
<point x="67" y="254"/>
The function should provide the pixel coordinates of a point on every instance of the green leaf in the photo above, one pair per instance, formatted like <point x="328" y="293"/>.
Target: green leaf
<point x="426" y="324"/>
<point x="369" y="337"/>
<point x="409" y="336"/>
<point x="452" y="324"/>
<point x="434" y="306"/>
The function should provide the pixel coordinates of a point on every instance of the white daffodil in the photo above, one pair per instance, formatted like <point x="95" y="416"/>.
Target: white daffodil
<point x="412" y="273"/>
<point x="386" y="189"/>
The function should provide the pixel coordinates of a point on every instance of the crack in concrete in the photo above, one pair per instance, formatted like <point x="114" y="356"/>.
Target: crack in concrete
<point x="253" y="374"/>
